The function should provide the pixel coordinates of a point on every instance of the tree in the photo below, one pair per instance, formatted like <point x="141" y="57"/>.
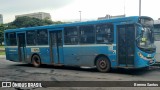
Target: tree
<point x="58" y="22"/>
<point x="2" y="28"/>
<point x="30" y="22"/>
<point x="47" y="22"/>
<point x="24" y="22"/>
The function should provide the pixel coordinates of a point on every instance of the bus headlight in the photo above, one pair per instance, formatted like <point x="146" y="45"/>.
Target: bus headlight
<point x="143" y="57"/>
<point x="140" y="55"/>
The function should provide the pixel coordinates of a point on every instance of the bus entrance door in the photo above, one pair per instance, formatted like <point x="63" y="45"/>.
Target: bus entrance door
<point x="21" y="46"/>
<point x="126" y="45"/>
<point x="56" y="47"/>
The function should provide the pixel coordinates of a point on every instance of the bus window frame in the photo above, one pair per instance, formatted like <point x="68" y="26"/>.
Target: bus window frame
<point x="8" y="39"/>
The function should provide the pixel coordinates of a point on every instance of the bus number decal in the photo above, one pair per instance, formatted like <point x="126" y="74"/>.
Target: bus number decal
<point x="110" y="48"/>
<point x="35" y="50"/>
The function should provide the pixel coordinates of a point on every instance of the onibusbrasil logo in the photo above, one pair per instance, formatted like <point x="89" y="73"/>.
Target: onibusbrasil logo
<point x="21" y="84"/>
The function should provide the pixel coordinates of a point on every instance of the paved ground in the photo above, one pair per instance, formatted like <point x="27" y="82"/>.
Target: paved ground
<point x="12" y="71"/>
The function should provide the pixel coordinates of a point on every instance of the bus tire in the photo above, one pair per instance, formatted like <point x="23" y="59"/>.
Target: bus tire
<point x="103" y="64"/>
<point x="36" y="61"/>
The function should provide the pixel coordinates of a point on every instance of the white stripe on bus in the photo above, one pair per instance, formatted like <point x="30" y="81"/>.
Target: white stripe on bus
<point x="89" y="45"/>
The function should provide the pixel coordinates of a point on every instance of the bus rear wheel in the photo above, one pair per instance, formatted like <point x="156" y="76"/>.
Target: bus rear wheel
<point x="36" y="61"/>
<point x="103" y="64"/>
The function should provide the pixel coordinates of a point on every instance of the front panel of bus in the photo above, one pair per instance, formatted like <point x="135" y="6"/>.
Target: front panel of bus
<point x="145" y="48"/>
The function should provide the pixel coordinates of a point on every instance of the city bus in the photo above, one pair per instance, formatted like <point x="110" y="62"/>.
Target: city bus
<point x="126" y="42"/>
<point x="157" y="39"/>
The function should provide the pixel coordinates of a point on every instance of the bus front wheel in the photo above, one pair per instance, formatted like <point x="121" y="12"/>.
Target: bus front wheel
<point x="36" y="61"/>
<point x="103" y="64"/>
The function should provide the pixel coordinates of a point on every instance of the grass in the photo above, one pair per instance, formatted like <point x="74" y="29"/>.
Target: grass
<point x="1" y="46"/>
<point x="2" y="53"/>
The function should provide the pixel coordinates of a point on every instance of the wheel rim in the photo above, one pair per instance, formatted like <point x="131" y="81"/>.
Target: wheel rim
<point x="102" y="64"/>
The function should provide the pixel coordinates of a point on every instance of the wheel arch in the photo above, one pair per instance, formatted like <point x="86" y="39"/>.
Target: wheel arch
<point x="37" y="55"/>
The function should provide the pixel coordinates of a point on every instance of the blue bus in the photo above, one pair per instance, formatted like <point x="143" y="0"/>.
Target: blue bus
<point x="112" y="43"/>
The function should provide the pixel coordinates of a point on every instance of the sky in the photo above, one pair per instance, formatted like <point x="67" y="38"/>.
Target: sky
<point x="68" y="10"/>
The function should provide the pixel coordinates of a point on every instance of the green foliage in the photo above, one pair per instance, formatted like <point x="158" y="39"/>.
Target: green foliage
<point x="2" y="28"/>
<point x="58" y="22"/>
<point x="22" y="22"/>
<point x="2" y="50"/>
<point x="1" y="47"/>
<point x="29" y="22"/>
<point x="2" y="53"/>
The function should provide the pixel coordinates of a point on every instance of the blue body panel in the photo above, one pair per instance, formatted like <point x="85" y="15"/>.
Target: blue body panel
<point x="12" y="53"/>
<point x="140" y="62"/>
<point x="84" y="55"/>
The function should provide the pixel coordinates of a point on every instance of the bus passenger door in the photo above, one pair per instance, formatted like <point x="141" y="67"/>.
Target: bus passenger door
<point x="56" y="47"/>
<point x="126" y="44"/>
<point x="21" y="46"/>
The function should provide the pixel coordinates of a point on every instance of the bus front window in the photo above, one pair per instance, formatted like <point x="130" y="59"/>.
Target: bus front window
<point x="145" y="40"/>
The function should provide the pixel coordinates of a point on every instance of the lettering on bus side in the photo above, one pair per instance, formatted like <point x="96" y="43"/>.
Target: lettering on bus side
<point x="110" y="48"/>
<point x="35" y="50"/>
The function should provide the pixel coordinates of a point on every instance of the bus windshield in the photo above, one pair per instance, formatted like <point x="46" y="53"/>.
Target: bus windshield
<point x="145" y="38"/>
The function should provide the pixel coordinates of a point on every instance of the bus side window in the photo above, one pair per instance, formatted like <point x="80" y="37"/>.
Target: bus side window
<point x="87" y="34"/>
<point x="11" y="39"/>
<point x="42" y="37"/>
<point x="71" y="36"/>
<point x="104" y="33"/>
<point x="31" y="38"/>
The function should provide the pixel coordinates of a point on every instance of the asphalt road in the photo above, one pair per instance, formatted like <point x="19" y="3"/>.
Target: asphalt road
<point x="13" y="71"/>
